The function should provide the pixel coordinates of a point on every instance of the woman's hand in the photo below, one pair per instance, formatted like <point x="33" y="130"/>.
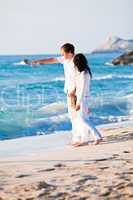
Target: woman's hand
<point x="77" y="107"/>
<point x="72" y="93"/>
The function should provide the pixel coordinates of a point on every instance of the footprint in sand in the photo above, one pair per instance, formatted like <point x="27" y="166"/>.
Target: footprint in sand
<point x="130" y="185"/>
<point x="90" y="177"/>
<point x="47" y="170"/>
<point x="86" y="178"/>
<point x="59" y="195"/>
<point x="128" y="173"/>
<point x="126" y="151"/>
<point x="124" y="132"/>
<point x="73" y="175"/>
<point x="59" y="165"/>
<point x="104" y="159"/>
<point x="23" y="175"/>
<point x="103" y="168"/>
<point x="116" y="155"/>
<point x="106" y="192"/>
<point x="44" y="185"/>
<point x="120" y="186"/>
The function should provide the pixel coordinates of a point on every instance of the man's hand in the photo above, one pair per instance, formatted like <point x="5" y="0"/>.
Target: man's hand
<point x="45" y="61"/>
<point x="77" y="107"/>
<point x="35" y="63"/>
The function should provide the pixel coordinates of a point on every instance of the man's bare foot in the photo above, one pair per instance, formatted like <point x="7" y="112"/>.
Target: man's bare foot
<point x="79" y="144"/>
<point x="72" y="143"/>
<point x="98" y="141"/>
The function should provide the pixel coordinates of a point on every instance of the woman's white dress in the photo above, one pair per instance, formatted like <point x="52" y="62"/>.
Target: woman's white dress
<point x="82" y="124"/>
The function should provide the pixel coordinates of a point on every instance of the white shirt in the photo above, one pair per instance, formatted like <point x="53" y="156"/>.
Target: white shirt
<point x="82" y="85"/>
<point x="69" y="72"/>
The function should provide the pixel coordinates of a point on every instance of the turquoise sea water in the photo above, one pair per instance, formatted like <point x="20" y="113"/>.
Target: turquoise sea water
<point x="32" y="101"/>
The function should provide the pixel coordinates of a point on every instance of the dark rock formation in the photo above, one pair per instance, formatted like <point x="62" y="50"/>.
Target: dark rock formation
<point x="125" y="59"/>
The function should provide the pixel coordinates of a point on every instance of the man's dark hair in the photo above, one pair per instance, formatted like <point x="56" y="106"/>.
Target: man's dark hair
<point x="68" y="48"/>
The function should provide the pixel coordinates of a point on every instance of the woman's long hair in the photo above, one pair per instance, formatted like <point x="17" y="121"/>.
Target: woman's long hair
<point x="81" y="63"/>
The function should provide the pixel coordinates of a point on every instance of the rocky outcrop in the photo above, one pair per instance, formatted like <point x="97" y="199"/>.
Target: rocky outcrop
<point x="125" y="59"/>
<point x="115" y="44"/>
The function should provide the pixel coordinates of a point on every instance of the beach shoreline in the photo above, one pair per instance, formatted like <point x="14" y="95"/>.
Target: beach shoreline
<point x="46" y="167"/>
<point x="32" y="144"/>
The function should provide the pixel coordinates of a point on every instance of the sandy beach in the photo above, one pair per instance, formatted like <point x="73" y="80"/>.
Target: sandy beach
<point x="46" y="167"/>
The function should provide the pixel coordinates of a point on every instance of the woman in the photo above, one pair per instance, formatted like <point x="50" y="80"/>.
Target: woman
<point x="82" y="122"/>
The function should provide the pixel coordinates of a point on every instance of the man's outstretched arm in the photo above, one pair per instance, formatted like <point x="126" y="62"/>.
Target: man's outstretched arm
<point x="45" y="61"/>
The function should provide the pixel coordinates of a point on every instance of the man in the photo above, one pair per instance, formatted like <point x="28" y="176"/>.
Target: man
<point x="67" y="52"/>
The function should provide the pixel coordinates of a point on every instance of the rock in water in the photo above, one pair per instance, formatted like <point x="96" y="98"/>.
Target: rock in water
<point x="125" y="59"/>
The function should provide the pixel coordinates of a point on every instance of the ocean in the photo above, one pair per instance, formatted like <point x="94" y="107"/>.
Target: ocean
<point x="32" y="100"/>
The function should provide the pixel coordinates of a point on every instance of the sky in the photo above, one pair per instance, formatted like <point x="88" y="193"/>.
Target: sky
<point x="42" y="26"/>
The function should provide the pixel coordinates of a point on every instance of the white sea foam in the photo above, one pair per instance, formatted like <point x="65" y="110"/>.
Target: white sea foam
<point x="50" y="122"/>
<point x="54" y="119"/>
<point x="110" y="76"/>
<point x="53" y="107"/>
<point x="128" y="96"/>
<point x="109" y="64"/>
<point x="112" y="118"/>
<point x="60" y="78"/>
<point x="19" y="63"/>
<point x="124" y="76"/>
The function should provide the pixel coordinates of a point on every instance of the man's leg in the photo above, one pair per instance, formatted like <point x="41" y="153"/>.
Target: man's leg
<point x="72" y="115"/>
<point x="81" y="129"/>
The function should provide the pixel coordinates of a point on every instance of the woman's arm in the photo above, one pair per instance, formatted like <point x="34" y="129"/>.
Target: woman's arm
<point x="81" y="88"/>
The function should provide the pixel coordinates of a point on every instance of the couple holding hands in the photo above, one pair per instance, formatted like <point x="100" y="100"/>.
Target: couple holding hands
<point x="77" y="87"/>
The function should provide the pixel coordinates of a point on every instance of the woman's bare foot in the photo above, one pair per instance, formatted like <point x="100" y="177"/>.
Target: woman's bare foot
<point x="98" y="141"/>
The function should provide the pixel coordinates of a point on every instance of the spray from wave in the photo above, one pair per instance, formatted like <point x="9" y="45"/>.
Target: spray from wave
<point x="111" y="76"/>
